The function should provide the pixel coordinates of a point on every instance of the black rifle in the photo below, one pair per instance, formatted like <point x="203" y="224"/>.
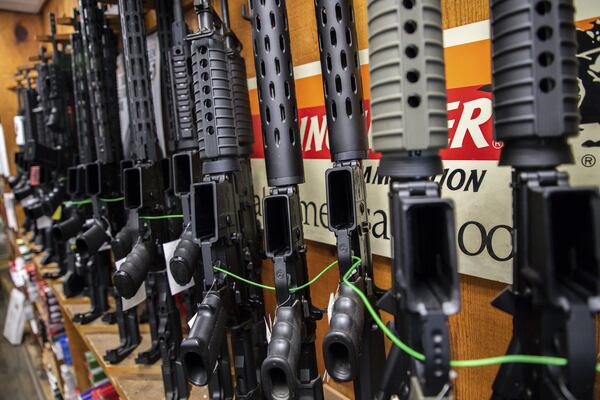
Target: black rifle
<point x="290" y="368"/>
<point x="353" y="348"/>
<point x="76" y="214"/>
<point x="556" y="270"/>
<point x="409" y="123"/>
<point x="145" y="185"/>
<point x="216" y="226"/>
<point x="186" y="165"/>
<point x="93" y="245"/>
<point x="52" y="143"/>
<point x="251" y="232"/>
<point x="23" y="81"/>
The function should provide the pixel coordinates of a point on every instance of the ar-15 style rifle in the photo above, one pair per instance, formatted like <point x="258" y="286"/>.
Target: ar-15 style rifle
<point x="79" y="211"/>
<point x="353" y="348"/>
<point x="409" y="124"/>
<point x="108" y="213"/>
<point x="556" y="270"/>
<point x="290" y="368"/>
<point x="23" y="82"/>
<point x="216" y="225"/>
<point x="145" y="185"/>
<point x="186" y="163"/>
<point x="55" y="143"/>
<point x="28" y="103"/>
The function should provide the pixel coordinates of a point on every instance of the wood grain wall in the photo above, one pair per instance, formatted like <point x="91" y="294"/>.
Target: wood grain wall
<point x="17" y="43"/>
<point x="477" y="331"/>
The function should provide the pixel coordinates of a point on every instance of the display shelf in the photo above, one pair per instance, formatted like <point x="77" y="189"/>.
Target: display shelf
<point x="131" y="380"/>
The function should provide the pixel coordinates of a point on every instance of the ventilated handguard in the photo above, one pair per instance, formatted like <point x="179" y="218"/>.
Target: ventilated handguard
<point x="214" y="109"/>
<point x="277" y="93"/>
<point x="201" y="349"/>
<point x="241" y="100"/>
<point x="408" y="87"/>
<point x="279" y="368"/>
<point x="185" y="124"/>
<point x="535" y="88"/>
<point x="342" y="82"/>
<point x="137" y="70"/>
<point x="85" y="129"/>
<point x="342" y="343"/>
<point x="107" y="138"/>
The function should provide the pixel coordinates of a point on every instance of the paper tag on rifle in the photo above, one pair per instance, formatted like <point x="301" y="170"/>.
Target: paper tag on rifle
<point x="43" y="222"/>
<point x="105" y="247"/>
<point x="268" y="328"/>
<point x="27" y="201"/>
<point x="169" y="249"/>
<point x="330" y="307"/>
<point x="57" y="214"/>
<point x="191" y="321"/>
<point x="139" y="296"/>
<point x="326" y="377"/>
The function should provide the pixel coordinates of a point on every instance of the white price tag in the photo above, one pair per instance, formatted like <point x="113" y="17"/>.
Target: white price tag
<point x="330" y="307"/>
<point x="191" y="321"/>
<point x="169" y="249"/>
<point x="27" y="201"/>
<point x="139" y="296"/>
<point x="43" y="222"/>
<point x="268" y="328"/>
<point x="11" y="216"/>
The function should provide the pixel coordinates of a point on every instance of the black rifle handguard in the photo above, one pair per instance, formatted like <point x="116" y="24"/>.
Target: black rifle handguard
<point x="185" y="258"/>
<point x="279" y="368"/>
<point x="68" y="228"/>
<point x="201" y="349"/>
<point x="133" y="271"/>
<point x="342" y="344"/>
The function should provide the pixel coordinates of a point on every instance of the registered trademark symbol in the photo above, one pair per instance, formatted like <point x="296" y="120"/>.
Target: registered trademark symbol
<point x="497" y="145"/>
<point x="588" y="160"/>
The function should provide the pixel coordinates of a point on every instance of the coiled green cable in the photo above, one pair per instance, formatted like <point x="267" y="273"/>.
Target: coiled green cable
<point x="83" y="202"/>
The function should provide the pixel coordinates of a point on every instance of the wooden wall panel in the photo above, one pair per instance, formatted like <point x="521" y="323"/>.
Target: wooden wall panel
<point x="17" y="43"/>
<point x="60" y="8"/>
